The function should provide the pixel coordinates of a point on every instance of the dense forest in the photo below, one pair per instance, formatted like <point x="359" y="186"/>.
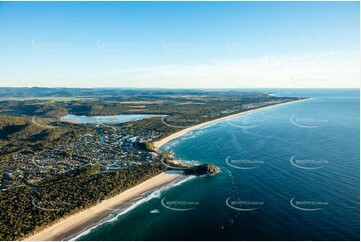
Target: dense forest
<point x="21" y="134"/>
<point x="35" y="120"/>
<point x="30" y="123"/>
<point x="54" y="103"/>
<point x="25" y="209"/>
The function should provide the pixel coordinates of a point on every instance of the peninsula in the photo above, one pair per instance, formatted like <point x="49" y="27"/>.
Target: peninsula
<point x="65" y="174"/>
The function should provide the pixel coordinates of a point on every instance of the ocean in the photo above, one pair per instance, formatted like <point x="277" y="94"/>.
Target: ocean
<point x="290" y="172"/>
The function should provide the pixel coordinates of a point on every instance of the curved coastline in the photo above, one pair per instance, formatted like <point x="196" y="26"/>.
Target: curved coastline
<point x="80" y="221"/>
<point x="160" y="143"/>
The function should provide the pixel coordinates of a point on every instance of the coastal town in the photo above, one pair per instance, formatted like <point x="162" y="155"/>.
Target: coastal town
<point x="180" y="120"/>
<point x="113" y="147"/>
<point x="62" y="155"/>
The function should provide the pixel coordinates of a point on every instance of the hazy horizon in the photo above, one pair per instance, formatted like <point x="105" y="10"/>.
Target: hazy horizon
<point x="183" y="88"/>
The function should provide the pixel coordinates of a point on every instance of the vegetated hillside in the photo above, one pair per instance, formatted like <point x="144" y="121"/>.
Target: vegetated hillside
<point x="23" y="210"/>
<point x="21" y="134"/>
<point x="17" y="127"/>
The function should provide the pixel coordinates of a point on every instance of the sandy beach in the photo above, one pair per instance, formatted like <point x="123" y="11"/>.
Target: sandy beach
<point x="182" y="132"/>
<point x="77" y="222"/>
<point x="74" y="223"/>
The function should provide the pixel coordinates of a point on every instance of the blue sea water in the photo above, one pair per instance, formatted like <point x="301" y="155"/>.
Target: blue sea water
<point x="290" y="172"/>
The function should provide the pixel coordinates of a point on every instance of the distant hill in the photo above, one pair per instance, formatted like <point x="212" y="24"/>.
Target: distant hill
<point x="41" y="92"/>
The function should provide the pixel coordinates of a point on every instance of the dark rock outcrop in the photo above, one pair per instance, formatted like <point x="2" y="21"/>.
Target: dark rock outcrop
<point x="205" y="169"/>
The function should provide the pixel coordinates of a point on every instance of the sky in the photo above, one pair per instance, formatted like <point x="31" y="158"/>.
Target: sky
<point x="180" y="44"/>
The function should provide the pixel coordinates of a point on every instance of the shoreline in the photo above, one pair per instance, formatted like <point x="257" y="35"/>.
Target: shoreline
<point x="160" y="143"/>
<point x="77" y="223"/>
